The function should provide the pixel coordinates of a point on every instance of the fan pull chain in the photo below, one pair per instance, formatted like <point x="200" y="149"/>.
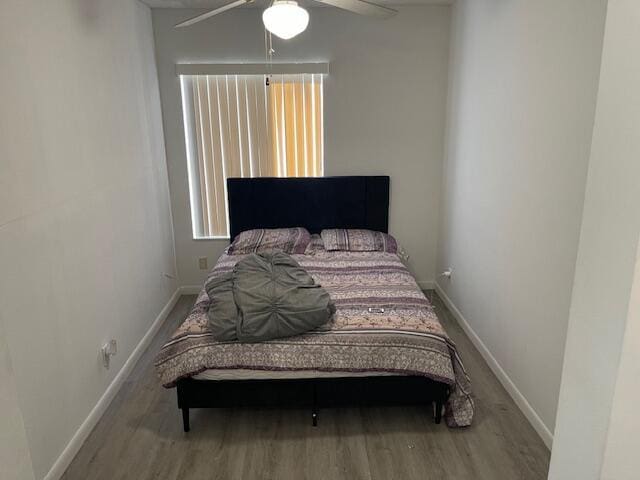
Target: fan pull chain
<point x="268" y="54"/>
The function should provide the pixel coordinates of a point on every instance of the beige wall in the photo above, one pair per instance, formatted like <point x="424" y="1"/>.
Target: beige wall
<point x="384" y="109"/>
<point x="522" y="96"/>
<point x="15" y="457"/>
<point x="85" y="225"/>
<point x="601" y="354"/>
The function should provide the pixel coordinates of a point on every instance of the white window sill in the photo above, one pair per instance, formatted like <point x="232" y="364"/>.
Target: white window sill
<point x="226" y="239"/>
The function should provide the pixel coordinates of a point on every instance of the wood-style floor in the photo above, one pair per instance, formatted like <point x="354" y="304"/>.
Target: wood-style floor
<point x="140" y="437"/>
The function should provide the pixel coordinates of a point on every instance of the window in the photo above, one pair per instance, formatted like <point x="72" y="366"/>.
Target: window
<point x="238" y="126"/>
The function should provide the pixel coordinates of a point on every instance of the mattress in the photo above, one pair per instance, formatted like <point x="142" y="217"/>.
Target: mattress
<point x="247" y="374"/>
<point x="383" y="325"/>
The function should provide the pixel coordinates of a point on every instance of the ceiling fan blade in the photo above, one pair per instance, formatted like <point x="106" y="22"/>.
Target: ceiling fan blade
<point x="361" y="7"/>
<point x="211" y="13"/>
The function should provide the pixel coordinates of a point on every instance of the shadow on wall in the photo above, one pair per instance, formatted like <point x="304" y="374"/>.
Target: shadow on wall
<point x="88" y="11"/>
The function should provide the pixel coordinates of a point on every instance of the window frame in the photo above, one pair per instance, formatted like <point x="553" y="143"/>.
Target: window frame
<point x="191" y="146"/>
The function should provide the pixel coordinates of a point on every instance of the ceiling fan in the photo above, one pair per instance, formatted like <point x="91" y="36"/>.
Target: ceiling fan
<point x="286" y="19"/>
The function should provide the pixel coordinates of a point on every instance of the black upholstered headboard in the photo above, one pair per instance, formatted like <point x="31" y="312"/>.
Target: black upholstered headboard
<point x="313" y="203"/>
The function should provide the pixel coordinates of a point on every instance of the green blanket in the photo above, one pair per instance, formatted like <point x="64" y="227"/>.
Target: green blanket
<point x="266" y="296"/>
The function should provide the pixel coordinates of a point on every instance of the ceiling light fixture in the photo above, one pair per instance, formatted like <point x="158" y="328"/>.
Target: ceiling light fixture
<point x="285" y="19"/>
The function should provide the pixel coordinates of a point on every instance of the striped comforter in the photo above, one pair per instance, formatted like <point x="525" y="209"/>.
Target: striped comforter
<point x="383" y="324"/>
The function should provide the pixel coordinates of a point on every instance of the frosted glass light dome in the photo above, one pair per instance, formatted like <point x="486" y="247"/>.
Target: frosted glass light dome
<point x="285" y="19"/>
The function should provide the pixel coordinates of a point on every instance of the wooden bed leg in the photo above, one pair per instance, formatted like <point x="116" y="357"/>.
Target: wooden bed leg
<point x="185" y="419"/>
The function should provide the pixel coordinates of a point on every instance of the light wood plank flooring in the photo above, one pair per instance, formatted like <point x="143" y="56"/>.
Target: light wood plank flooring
<point x="140" y="436"/>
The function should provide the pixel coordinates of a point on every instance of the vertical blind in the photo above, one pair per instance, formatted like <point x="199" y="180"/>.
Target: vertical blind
<point x="237" y="126"/>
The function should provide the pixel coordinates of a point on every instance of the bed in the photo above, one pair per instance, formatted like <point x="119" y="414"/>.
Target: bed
<point x="383" y="346"/>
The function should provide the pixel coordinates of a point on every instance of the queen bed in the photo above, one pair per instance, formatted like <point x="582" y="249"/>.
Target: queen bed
<point x="384" y="344"/>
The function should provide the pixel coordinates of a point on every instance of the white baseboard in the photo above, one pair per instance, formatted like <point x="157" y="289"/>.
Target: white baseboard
<point x="190" y="289"/>
<point x="498" y="371"/>
<point x="426" y="284"/>
<point x="78" y="439"/>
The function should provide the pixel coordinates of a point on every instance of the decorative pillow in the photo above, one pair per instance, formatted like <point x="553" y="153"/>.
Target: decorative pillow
<point x="358" y="240"/>
<point x="288" y="240"/>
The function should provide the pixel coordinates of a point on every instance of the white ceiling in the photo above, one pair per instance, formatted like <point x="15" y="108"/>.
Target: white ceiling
<point x="262" y="3"/>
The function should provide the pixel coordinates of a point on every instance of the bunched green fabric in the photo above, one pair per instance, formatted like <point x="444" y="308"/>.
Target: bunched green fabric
<point x="267" y="296"/>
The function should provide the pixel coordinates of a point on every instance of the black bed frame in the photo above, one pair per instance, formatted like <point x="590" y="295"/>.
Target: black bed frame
<point x="314" y="203"/>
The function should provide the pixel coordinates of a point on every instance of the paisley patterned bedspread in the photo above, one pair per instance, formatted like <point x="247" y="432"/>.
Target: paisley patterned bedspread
<point x="383" y="324"/>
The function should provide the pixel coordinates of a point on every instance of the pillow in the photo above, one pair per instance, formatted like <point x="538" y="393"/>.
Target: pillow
<point x="288" y="240"/>
<point x="358" y="240"/>
<point x="315" y="245"/>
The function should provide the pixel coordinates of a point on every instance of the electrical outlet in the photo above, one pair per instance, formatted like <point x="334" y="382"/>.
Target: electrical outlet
<point x="107" y="351"/>
<point x="203" y="263"/>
